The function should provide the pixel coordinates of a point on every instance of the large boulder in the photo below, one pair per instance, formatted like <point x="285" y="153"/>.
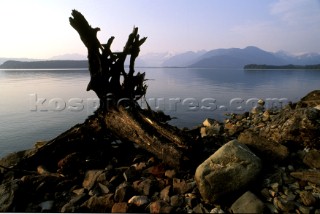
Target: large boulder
<point x="229" y="169"/>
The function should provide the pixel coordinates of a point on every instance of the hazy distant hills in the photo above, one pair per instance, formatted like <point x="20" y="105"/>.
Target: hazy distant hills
<point x="238" y="58"/>
<point x="48" y="64"/>
<point x="217" y="58"/>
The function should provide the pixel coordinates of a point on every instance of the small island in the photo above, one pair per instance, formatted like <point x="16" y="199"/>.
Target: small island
<point x="263" y="66"/>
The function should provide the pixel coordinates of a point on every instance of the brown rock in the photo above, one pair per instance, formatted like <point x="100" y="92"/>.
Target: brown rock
<point x="284" y="205"/>
<point x="165" y="193"/>
<point x="311" y="176"/>
<point x="312" y="99"/>
<point x="144" y="187"/>
<point x="312" y="159"/>
<point x="266" y="149"/>
<point x="90" y="178"/>
<point x="121" y="207"/>
<point x="123" y="192"/>
<point x="181" y="186"/>
<point x="307" y="198"/>
<point x="139" y="200"/>
<point x="176" y="200"/>
<point x="160" y="207"/>
<point x="99" y="204"/>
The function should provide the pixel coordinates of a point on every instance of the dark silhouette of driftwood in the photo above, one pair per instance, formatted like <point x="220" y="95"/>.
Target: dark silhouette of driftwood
<point x="119" y="115"/>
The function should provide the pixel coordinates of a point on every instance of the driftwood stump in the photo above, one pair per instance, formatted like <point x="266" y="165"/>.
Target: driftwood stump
<point x="119" y="114"/>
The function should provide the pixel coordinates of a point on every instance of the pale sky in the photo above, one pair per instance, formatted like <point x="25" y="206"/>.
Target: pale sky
<point x="40" y="28"/>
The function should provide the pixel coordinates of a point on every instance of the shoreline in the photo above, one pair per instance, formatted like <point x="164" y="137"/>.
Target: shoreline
<point x="109" y="176"/>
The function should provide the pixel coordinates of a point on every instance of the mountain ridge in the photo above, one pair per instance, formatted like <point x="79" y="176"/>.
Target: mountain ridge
<point x="216" y="58"/>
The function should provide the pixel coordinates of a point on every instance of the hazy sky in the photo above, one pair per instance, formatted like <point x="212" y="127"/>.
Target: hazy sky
<point x="40" y="28"/>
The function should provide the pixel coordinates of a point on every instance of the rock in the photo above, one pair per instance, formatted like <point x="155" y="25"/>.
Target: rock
<point x="311" y="176"/>
<point x="74" y="203"/>
<point x="248" y="203"/>
<point x="170" y="173"/>
<point x="123" y="192"/>
<point x="208" y="122"/>
<point x="40" y="144"/>
<point x="99" y="204"/>
<point x="46" y="205"/>
<point x="284" y="205"/>
<point x="233" y="129"/>
<point x="130" y="174"/>
<point x="90" y="178"/>
<point x="71" y="165"/>
<point x="160" y="207"/>
<point x="139" y="200"/>
<point x="200" y="209"/>
<point x="312" y="159"/>
<point x="312" y="99"/>
<point x="165" y="193"/>
<point x="203" y="131"/>
<point x="266" y="149"/>
<point x="229" y="169"/>
<point x="299" y="126"/>
<point x="307" y="198"/>
<point x="121" y="207"/>
<point x="181" y="186"/>
<point x="176" y="200"/>
<point x="8" y="192"/>
<point x="191" y="200"/>
<point x="144" y="187"/>
<point x="258" y="109"/>
<point x="217" y="210"/>
<point x="305" y="210"/>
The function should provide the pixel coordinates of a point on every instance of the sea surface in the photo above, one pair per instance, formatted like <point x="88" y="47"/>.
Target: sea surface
<point x="41" y="104"/>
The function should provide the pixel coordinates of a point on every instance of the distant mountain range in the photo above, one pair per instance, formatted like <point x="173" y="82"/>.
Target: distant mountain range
<point x="217" y="58"/>
<point x="47" y="64"/>
<point x="238" y="58"/>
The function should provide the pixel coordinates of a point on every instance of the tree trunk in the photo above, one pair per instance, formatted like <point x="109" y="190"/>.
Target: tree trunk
<point x="119" y="115"/>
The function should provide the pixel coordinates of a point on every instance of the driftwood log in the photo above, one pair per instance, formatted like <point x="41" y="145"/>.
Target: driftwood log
<point x="119" y="114"/>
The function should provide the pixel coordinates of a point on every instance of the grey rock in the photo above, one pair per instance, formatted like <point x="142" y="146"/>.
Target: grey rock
<point x="229" y="169"/>
<point x="248" y="203"/>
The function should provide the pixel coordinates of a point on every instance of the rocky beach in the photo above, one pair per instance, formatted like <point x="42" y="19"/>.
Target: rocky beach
<point x="266" y="160"/>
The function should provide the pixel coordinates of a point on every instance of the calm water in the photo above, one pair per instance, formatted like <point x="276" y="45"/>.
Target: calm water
<point x="40" y="104"/>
